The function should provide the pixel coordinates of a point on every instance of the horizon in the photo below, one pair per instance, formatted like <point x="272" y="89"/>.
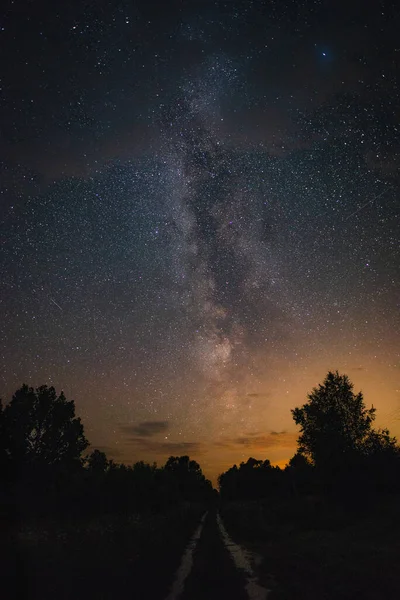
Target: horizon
<point x="150" y="444"/>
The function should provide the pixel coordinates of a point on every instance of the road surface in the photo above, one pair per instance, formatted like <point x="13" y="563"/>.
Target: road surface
<point x="213" y="567"/>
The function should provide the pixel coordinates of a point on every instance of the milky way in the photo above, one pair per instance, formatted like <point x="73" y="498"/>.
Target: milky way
<point x="201" y="218"/>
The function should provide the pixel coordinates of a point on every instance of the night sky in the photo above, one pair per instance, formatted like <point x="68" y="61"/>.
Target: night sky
<point x="200" y="216"/>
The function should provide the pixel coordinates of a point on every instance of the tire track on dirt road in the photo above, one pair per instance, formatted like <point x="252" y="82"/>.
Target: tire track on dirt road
<point x="213" y="567"/>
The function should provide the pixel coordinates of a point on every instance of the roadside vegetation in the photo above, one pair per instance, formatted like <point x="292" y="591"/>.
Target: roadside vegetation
<point x="328" y="525"/>
<point x="75" y="524"/>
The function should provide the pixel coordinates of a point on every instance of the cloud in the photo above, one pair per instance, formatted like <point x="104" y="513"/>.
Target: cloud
<point x="179" y="447"/>
<point x="108" y="450"/>
<point x="166" y="448"/>
<point x="260" y="441"/>
<point x="146" y="429"/>
<point x="223" y="444"/>
<point x="141" y="436"/>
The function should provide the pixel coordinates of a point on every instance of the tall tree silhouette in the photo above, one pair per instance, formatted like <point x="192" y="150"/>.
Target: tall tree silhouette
<point x="336" y="426"/>
<point x="39" y="430"/>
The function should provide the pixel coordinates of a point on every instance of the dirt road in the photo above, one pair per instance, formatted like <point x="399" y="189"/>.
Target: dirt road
<point x="214" y="567"/>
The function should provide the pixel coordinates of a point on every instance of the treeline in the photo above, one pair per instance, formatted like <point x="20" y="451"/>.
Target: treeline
<point x="45" y="468"/>
<point x="339" y="452"/>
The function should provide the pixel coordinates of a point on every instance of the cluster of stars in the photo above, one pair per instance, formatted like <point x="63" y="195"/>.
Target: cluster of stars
<point x="201" y="215"/>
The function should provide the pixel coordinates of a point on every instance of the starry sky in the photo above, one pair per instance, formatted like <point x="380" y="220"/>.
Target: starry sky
<point x="200" y="216"/>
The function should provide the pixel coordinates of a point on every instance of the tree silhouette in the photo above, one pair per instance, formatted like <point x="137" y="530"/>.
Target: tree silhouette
<point x="300" y="472"/>
<point x="182" y="464"/>
<point x="299" y="462"/>
<point x="253" y="479"/>
<point x="336" y="427"/>
<point x="97" y="462"/>
<point x="39" y="430"/>
<point x="187" y="478"/>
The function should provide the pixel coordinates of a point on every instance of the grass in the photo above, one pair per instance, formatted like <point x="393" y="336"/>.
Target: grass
<point x="132" y="556"/>
<point x="322" y="550"/>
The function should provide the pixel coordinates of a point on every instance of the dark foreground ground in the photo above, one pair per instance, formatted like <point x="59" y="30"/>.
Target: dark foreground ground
<point x="135" y="558"/>
<point x="131" y="557"/>
<point x="306" y="549"/>
<point x="318" y="550"/>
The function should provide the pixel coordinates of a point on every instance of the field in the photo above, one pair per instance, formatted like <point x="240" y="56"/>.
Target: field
<point x="110" y="557"/>
<point x="313" y="549"/>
